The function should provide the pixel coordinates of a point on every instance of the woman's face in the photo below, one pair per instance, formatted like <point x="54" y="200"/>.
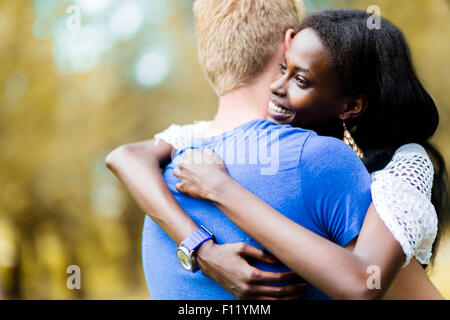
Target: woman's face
<point x="305" y="94"/>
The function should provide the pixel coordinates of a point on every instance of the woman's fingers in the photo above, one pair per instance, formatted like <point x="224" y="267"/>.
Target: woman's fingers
<point x="272" y="277"/>
<point x="292" y="291"/>
<point x="177" y="172"/>
<point x="212" y="157"/>
<point x="256" y="275"/>
<point x="195" y="156"/>
<point x="257" y="253"/>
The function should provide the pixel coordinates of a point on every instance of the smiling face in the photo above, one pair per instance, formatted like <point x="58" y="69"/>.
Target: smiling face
<point x="306" y="93"/>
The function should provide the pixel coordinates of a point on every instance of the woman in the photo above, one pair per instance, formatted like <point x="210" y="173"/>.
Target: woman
<point x="391" y="117"/>
<point x="386" y="108"/>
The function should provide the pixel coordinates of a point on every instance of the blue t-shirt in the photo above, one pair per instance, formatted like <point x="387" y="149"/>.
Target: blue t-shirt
<point x="316" y="181"/>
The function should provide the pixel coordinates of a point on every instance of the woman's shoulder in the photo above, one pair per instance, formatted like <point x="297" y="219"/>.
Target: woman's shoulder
<point x="401" y="193"/>
<point x="410" y="165"/>
<point x="411" y="150"/>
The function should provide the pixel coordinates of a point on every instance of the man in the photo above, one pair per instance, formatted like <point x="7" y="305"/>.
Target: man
<point x="241" y="44"/>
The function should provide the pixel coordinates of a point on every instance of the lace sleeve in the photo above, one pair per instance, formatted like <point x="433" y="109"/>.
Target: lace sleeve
<point x="179" y="136"/>
<point x="401" y="194"/>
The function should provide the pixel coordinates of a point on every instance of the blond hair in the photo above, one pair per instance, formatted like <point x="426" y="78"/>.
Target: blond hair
<point x="237" y="38"/>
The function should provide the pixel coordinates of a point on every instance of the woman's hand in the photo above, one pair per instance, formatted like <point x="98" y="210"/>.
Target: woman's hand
<point x="228" y="265"/>
<point x="201" y="174"/>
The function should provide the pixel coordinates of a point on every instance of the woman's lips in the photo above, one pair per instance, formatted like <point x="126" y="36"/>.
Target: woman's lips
<point x="280" y="109"/>
<point x="279" y="113"/>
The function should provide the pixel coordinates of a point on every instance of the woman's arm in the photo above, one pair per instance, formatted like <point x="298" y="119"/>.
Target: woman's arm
<point x="412" y="283"/>
<point x="138" y="165"/>
<point x="340" y="273"/>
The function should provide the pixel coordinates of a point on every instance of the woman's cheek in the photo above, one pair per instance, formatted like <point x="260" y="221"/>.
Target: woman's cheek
<point x="303" y="102"/>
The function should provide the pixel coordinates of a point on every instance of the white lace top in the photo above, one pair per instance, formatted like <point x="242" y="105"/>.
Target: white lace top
<point x="180" y="135"/>
<point x="401" y="192"/>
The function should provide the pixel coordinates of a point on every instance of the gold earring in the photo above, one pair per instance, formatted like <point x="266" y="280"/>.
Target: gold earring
<point x="348" y="139"/>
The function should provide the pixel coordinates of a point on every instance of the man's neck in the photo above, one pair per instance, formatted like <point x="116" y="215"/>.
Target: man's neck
<point x="240" y="106"/>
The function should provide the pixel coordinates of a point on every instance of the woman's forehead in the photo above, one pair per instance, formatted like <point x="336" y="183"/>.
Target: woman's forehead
<point x="308" y="52"/>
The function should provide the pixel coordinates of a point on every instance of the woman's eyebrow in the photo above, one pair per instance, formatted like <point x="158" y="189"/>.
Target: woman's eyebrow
<point x="297" y="68"/>
<point x="302" y="70"/>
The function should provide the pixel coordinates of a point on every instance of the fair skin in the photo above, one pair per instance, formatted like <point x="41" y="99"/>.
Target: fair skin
<point x="138" y="166"/>
<point x="306" y="88"/>
<point x="227" y="263"/>
<point x="352" y="263"/>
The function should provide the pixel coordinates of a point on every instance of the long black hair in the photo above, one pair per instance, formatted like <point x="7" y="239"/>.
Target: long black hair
<point x="376" y="62"/>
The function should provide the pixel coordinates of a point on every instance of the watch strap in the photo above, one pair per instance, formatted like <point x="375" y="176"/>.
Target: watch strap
<point x="196" y="238"/>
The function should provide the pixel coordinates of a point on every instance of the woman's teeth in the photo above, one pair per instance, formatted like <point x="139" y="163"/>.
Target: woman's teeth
<point x="276" y="108"/>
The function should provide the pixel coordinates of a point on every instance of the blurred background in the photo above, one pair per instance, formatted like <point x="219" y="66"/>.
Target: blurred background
<point x="80" y="77"/>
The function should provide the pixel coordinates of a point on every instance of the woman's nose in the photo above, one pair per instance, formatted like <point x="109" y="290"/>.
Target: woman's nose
<point x="278" y="87"/>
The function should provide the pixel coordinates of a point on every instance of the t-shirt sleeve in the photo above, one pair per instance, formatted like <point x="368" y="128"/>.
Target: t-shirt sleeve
<point x="335" y="187"/>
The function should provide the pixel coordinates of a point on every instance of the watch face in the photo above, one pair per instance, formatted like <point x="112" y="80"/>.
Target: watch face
<point x="184" y="259"/>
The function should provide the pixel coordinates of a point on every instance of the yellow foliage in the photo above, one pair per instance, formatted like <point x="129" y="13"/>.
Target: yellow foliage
<point x="56" y="125"/>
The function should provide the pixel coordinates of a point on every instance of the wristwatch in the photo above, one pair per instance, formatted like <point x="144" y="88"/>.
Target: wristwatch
<point x="186" y="250"/>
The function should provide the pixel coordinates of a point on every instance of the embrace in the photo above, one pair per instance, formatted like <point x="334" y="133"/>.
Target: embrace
<point x="314" y="179"/>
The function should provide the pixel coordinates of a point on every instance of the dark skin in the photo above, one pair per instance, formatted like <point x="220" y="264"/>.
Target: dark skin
<point x="138" y="166"/>
<point x="308" y="89"/>
<point x="307" y="86"/>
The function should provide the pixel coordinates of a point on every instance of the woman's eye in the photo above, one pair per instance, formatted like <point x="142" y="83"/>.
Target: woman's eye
<point x="301" y="81"/>
<point x="283" y="68"/>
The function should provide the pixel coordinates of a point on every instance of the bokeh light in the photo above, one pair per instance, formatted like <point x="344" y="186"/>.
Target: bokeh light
<point x="126" y="20"/>
<point x="94" y="7"/>
<point x="72" y="90"/>
<point x="152" y="66"/>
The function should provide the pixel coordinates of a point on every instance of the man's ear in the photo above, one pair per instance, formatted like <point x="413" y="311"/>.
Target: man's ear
<point x="288" y="37"/>
<point x="354" y="107"/>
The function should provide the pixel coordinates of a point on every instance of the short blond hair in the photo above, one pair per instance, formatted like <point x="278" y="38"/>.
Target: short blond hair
<point x="237" y="38"/>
